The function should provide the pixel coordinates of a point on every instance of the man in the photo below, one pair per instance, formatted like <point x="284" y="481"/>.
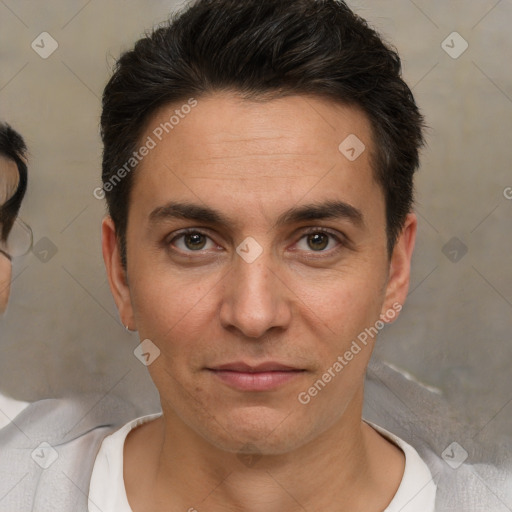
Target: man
<point x="13" y="184"/>
<point x="267" y="225"/>
<point x="258" y="164"/>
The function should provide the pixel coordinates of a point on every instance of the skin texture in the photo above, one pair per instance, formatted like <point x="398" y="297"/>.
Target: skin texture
<point x="9" y="179"/>
<point x="293" y="305"/>
<point x="5" y="281"/>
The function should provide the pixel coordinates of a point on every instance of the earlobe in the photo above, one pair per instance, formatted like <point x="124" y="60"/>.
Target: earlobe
<point x="400" y="270"/>
<point x="116" y="273"/>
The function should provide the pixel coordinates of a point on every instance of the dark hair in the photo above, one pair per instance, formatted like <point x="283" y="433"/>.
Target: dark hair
<point x="13" y="147"/>
<point x="265" y="49"/>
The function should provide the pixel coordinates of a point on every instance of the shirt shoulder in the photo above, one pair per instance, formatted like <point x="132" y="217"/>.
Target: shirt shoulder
<point x="417" y="490"/>
<point x="472" y="469"/>
<point x="107" y="492"/>
<point x="9" y="409"/>
<point x="47" y="452"/>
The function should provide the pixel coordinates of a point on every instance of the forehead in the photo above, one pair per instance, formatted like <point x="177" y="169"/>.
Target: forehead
<point x="225" y="125"/>
<point x="260" y="151"/>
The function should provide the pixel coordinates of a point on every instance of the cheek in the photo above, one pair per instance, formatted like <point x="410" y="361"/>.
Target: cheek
<point x="173" y="310"/>
<point x="345" y="301"/>
<point x="345" y="313"/>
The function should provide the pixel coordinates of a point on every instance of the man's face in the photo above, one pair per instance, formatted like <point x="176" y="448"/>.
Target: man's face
<point x="9" y="179"/>
<point x="295" y="295"/>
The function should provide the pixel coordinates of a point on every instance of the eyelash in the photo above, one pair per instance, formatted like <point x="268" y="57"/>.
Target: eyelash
<point x="341" y="240"/>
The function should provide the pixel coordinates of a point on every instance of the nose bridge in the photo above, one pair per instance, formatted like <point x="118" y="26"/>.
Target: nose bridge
<point x="254" y="299"/>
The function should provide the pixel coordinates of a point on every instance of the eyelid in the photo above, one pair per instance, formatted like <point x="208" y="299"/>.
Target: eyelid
<point x="336" y="234"/>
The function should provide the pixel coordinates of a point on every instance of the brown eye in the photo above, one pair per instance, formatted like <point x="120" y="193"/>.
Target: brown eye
<point x="318" y="241"/>
<point x="192" y="240"/>
<point x="195" y="241"/>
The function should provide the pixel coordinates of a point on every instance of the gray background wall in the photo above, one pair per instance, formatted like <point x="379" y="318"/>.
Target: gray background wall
<point x="61" y="333"/>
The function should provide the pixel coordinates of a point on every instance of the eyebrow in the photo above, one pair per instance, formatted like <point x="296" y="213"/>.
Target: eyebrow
<point x="329" y="210"/>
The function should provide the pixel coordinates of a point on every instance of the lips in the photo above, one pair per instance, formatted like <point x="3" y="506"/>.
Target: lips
<point x="251" y="377"/>
<point x="247" y="368"/>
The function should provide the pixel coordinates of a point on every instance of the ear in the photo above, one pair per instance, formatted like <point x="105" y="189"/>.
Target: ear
<point x="399" y="270"/>
<point x="116" y="273"/>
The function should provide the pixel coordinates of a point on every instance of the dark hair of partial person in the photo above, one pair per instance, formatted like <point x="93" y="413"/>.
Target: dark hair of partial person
<point x="265" y="49"/>
<point x="12" y="146"/>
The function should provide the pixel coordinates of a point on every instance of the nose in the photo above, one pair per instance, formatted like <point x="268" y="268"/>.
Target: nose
<point x="255" y="298"/>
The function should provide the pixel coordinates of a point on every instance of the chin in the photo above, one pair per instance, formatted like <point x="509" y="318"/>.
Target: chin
<point x="258" y="430"/>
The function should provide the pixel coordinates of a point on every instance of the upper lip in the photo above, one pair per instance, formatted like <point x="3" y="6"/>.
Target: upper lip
<point x="269" y="366"/>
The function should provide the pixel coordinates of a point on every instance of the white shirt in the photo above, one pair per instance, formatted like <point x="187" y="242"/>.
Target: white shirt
<point x="9" y="409"/>
<point x="107" y="493"/>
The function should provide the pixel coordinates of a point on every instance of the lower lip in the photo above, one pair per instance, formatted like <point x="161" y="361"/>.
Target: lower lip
<point x="256" y="381"/>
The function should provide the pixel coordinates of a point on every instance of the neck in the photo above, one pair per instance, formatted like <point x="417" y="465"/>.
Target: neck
<point x="347" y="468"/>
